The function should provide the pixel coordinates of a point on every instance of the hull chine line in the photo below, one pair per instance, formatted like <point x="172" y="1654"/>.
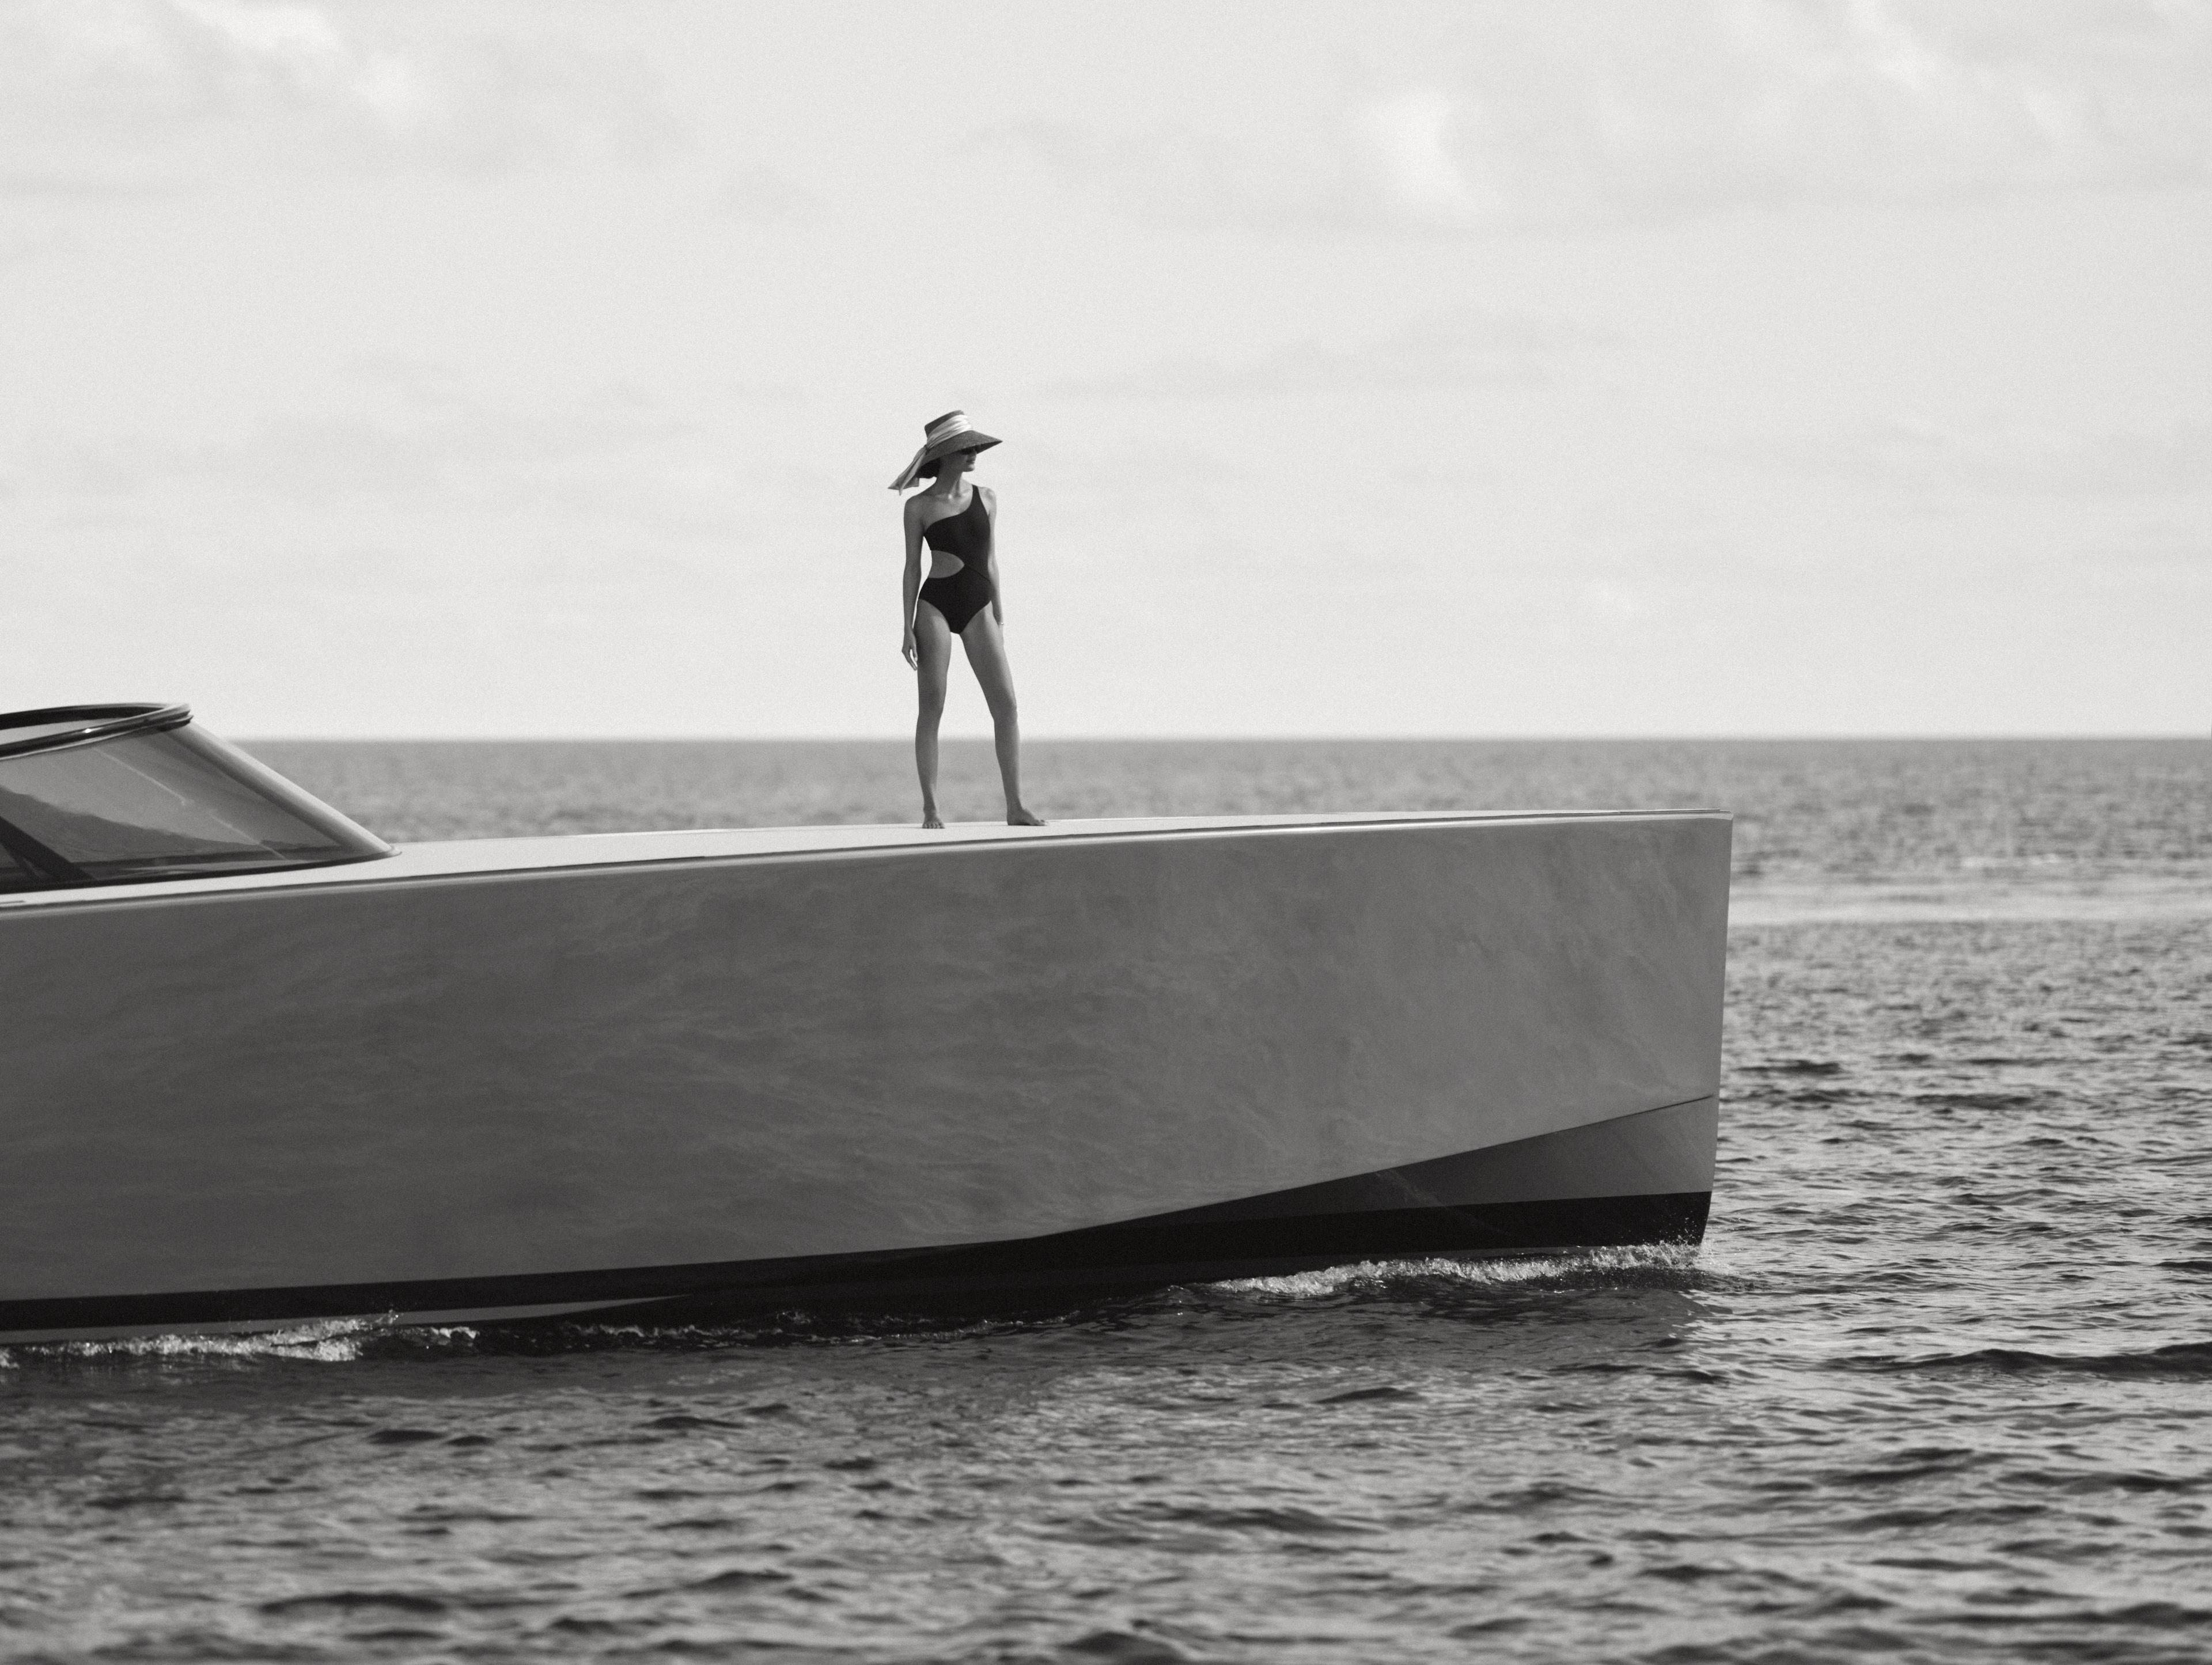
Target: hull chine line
<point x="1448" y="1208"/>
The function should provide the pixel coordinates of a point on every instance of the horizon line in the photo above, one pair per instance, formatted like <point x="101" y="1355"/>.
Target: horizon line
<point x="1862" y="737"/>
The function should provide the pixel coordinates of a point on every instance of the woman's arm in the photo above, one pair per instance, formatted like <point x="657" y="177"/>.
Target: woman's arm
<point x="991" y="555"/>
<point x="912" y="584"/>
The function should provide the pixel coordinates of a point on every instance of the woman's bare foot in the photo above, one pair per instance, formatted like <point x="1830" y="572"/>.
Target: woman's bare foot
<point x="1018" y="817"/>
<point x="930" y="822"/>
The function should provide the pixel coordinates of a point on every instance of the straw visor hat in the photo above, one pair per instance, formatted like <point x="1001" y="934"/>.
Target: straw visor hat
<point x="949" y="432"/>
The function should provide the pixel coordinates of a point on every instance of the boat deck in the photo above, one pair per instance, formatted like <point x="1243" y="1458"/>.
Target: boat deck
<point x="458" y="858"/>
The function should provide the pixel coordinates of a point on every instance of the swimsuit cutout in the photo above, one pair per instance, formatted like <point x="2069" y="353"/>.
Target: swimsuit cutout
<point x="966" y="591"/>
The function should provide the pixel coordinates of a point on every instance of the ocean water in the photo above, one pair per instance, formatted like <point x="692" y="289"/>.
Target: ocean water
<point x="1938" y="1386"/>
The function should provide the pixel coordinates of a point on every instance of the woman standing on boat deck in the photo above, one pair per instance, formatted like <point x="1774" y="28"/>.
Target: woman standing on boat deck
<point x="960" y="597"/>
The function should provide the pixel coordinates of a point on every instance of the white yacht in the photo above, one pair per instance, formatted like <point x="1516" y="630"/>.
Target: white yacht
<point x="258" y="1066"/>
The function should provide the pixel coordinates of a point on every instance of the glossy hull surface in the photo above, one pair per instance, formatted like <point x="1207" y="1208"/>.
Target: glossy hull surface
<point x="854" y="1066"/>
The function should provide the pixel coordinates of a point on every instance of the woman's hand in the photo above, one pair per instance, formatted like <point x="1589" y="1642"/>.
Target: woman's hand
<point x="907" y="650"/>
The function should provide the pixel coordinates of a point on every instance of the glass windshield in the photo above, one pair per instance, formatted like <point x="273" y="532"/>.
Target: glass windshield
<point x="165" y="804"/>
<point x="14" y="875"/>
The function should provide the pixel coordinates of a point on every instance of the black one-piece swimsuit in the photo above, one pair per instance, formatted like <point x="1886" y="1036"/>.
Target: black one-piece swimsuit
<point x="963" y="595"/>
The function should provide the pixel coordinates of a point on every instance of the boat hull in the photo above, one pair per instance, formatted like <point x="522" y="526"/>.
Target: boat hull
<point x="902" y="1074"/>
<point x="1526" y="1198"/>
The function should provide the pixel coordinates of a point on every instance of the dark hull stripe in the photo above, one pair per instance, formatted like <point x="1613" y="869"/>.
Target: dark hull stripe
<point x="1136" y="1255"/>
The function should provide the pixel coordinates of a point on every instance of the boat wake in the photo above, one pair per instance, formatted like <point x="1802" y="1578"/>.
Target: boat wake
<point x="1638" y="1264"/>
<point x="349" y="1340"/>
<point x="326" y="1342"/>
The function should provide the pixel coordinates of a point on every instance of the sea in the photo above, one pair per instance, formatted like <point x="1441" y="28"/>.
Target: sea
<point x="1936" y="1387"/>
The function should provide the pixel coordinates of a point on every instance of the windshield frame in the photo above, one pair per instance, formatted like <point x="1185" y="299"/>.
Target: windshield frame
<point x="86" y="725"/>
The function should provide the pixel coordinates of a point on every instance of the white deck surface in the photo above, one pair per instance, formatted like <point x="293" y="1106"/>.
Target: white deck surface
<point x="460" y="858"/>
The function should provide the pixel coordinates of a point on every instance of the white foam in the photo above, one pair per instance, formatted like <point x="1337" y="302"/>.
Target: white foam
<point x="331" y="1341"/>
<point x="1500" y="1273"/>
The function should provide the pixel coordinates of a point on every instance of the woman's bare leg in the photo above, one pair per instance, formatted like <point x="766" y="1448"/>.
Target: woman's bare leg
<point x="933" y="644"/>
<point x="987" y="656"/>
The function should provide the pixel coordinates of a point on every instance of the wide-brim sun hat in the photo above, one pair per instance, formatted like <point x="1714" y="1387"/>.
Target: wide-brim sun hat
<point x="949" y="432"/>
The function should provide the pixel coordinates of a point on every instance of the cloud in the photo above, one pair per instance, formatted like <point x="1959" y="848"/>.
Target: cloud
<point x="100" y="97"/>
<point x="296" y="52"/>
<point x="1467" y="350"/>
<point x="1582" y="111"/>
<point x="417" y="444"/>
<point x="1617" y="604"/>
<point x="763" y="196"/>
<point x="1411" y="141"/>
<point x="1181" y="176"/>
<point x="80" y="186"/>
<point x="2162" y="546"/>
<point x="1911" y="456"/>
<point x="1641" y="111"/>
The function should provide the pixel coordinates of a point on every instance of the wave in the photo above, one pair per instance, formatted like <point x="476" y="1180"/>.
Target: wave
<point x="2188" y="1359"/>
<point x="2157" y="897"/>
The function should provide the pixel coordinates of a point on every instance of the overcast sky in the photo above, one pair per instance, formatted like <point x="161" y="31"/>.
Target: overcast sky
<point x="1541" y="368"/>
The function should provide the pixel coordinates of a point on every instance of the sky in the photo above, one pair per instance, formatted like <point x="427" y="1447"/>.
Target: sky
<point x="1543" y="367"/>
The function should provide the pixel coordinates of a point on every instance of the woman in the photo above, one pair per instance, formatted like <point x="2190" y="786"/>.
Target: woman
<point x="961" y="598"/>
